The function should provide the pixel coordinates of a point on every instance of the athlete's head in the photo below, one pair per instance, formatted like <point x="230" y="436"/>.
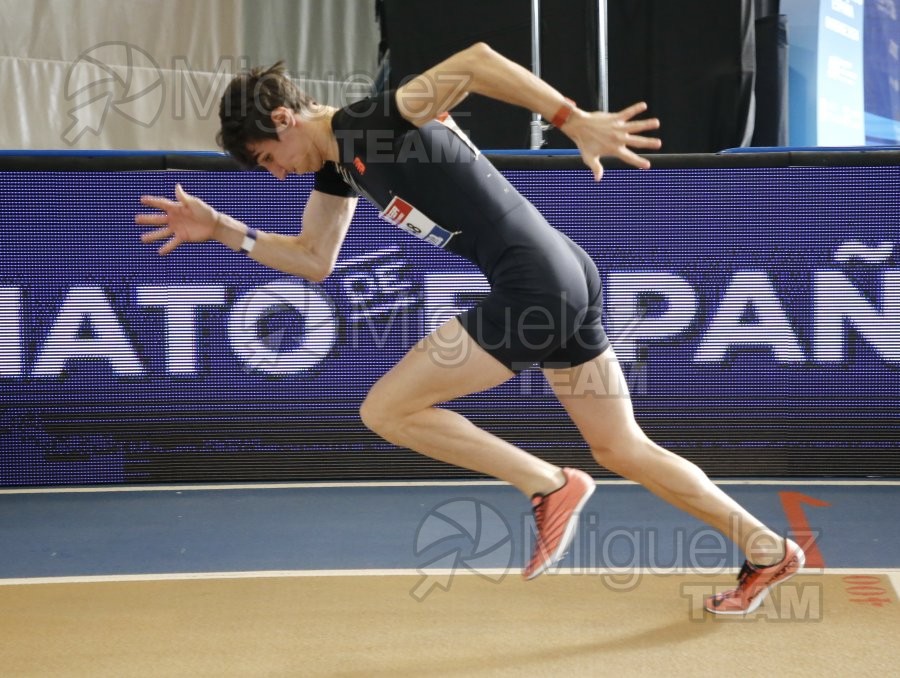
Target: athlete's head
<point x="246" y="108"/>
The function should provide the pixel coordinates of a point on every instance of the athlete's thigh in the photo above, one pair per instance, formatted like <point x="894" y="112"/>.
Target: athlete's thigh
<point x="595" y="395"/>
<point x="446" y="364"/>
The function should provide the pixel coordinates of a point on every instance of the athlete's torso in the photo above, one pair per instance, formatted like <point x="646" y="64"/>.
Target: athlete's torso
<point x="432" y="183"/>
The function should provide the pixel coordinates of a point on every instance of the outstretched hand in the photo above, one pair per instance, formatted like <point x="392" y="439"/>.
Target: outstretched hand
<point x="187" y="219"/>
<point x="612" y="134"/>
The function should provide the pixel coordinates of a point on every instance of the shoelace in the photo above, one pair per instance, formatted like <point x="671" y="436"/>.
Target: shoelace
<point x="539" y="511"/>
<point x="745" y="572"/>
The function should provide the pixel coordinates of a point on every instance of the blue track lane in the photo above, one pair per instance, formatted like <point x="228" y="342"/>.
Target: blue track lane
<point x="260" y="528"/>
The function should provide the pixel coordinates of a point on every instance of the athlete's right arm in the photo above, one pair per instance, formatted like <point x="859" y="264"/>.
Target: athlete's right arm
<point x="481" y="70"/>
<point x="311" y="254"/>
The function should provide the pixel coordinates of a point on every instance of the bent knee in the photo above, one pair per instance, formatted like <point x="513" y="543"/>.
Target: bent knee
<point x="381" y="412"/>
<point x="628" y="443"/>
<point x="374" y="414"/>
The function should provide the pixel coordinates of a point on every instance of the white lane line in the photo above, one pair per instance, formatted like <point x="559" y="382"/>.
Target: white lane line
<point x="429" y="483"/>
<point x="893" y="573"/>
<point x="246" y="486"/>
<point x="895" y="580"/>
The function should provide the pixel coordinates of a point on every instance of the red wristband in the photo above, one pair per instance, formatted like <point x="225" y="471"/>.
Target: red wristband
<point x="564" y="113"/>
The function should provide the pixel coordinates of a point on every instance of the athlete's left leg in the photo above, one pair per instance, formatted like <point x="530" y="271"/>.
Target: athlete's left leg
<point x="443" y="366"/>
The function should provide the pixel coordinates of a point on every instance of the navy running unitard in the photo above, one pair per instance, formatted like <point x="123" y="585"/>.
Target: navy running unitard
<point x="545" y="300"/>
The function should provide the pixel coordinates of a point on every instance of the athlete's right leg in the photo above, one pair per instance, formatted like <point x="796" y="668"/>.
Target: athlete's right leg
<point x="595" y="395"/>
<point x="443" y="366"/>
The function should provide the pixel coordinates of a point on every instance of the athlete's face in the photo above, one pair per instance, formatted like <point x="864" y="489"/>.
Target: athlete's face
<point x="294" y="152"/>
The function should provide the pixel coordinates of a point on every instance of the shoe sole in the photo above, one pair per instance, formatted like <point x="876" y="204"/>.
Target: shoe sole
<point x="754" y="606"/>
<point x="568" y="535"/>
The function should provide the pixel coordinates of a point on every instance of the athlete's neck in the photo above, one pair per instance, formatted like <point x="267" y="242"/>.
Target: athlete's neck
<point x="323" y="136"/>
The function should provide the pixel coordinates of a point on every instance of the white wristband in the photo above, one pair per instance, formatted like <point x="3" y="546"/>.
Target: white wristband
<point x="249" y="240"/>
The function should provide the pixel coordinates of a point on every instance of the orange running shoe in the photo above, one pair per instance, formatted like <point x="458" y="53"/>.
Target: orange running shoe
<point x="754" y="583"/>
<point x="556" y="519"/>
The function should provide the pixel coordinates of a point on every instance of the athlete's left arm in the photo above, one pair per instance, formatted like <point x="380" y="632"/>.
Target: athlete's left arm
<point x="481" y="70"/>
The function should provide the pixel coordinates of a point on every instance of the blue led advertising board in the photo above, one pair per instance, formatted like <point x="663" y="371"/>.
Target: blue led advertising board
<point x="756" y="313"/>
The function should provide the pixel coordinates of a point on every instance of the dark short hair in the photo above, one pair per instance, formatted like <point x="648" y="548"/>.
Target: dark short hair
<point x="245" y="111"/>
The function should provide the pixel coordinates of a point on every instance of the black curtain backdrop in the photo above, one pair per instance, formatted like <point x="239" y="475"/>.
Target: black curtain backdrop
<point x="771" y="75"/>
<point x="766" y="8"/>
<point x="422" y="34"/>
<point x="771" y="81"/>
<point x="695" y="62"/>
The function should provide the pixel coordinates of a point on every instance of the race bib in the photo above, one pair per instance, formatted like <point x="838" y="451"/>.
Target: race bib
<point x="405" y="216"/>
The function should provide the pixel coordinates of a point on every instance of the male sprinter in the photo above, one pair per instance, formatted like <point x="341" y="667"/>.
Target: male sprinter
<point x="544" y="304"/>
